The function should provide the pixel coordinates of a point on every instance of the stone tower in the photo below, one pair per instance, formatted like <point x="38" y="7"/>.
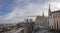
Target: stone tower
<point x="43" y="16"/>
<point x="49" y="14"/>
<point x="49" y="10"/>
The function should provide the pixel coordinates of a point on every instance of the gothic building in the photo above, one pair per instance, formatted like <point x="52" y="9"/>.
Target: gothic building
<point x="41" y="21"/>
<point x="54" y="19"/>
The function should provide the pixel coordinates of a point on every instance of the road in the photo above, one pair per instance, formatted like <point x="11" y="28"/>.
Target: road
<point x="44" y="31"/>
<point x="15" y="30"/>
<point x="18" y="31"/>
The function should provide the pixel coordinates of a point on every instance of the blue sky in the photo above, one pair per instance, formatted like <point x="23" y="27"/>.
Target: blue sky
<point x="17" y="10"/>
<point x="5" y="7"/>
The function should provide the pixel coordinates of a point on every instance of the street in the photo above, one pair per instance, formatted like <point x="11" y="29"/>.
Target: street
<point x="37" y="30"/>
<point x="15" y="30"/>
<point x="45" y="31"/>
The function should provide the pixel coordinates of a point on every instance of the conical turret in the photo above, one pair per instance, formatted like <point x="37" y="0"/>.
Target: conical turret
<point x="49" y="9"/>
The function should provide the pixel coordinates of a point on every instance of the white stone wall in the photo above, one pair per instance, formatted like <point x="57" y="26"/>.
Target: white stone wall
<point x="51" y="22"/>
<point x="59" y="23"/>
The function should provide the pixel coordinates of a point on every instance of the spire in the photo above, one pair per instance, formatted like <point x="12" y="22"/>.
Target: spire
<point x="43" y="15"/>
<point x="49" y="9"/>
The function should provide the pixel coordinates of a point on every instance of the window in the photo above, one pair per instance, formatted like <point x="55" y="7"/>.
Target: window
<point x="59" y="14"/>
<point x="52" y="15"/>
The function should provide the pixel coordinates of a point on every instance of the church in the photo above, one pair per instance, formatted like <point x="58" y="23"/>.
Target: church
<point x="41" y="21"/>
<point x="54" y="19"/>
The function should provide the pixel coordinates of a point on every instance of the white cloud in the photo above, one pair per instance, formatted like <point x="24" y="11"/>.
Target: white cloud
<point x="27" y="8"/>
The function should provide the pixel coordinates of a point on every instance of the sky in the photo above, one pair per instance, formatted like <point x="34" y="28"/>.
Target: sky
<point x="13" y="11"/>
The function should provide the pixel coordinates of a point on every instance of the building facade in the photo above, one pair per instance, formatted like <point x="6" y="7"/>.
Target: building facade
<point x="54" y="19"/>
<point x="41" y="21"/>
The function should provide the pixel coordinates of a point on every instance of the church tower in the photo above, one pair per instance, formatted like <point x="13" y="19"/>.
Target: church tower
<point x="49" y="14"/>
<point x="49" y="10"/>
<point x="43" y="15"/>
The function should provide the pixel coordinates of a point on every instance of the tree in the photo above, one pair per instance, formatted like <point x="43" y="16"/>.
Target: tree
<point x="31" y="20"/>
<point x="26" y="20"/>
<point x="18" y="25"/>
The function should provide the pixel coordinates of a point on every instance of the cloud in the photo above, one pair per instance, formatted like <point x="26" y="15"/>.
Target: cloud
<point x="24" y="8"/>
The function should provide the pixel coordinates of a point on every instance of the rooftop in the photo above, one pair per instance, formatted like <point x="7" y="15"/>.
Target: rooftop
<point x="56" y="11"/>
